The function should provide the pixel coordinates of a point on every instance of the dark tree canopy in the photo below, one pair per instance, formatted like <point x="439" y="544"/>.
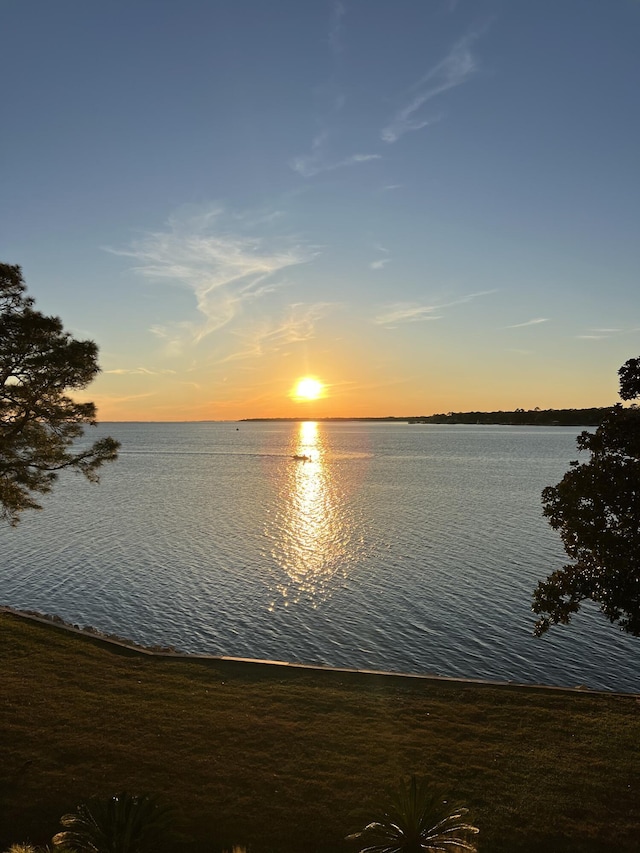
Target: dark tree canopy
<point x="596" y="508"/>
<point x="39" y="362"/>
<point x="629" y="375"/>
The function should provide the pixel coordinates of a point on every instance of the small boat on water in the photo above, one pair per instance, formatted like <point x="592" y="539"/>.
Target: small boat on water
<point x="301" y="457"/>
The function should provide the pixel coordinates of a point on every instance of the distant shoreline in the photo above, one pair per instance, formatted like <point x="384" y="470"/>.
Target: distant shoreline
<point x="518" y="417"/>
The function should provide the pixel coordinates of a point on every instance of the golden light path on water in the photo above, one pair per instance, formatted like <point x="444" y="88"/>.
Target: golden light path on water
<point x="315" y="531"/>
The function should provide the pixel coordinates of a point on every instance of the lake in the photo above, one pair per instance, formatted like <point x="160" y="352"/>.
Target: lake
<point x="408" y="548"/>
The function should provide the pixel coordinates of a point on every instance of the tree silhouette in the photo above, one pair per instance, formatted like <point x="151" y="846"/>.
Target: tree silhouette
<point x="39" y="362"/>
<point x="596" y="508"/>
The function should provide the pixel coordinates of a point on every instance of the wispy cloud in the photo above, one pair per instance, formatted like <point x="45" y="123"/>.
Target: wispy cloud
<point x="405" y="312"/>
<point x="403" y="123"/>
<point x="379" y="264"/>
<point x="316" y="162"/>
<point x="603" y="334"/>
<point x="211" y="254"/>
<point x="535" y="322"/>
<point x="143" y="371"/>
<point x="112" y="399"/>
<point x="396" y="313"/>
<point x="455" y="69"/>
<point x="321" y="158"/>
<point x="297" y="323"/>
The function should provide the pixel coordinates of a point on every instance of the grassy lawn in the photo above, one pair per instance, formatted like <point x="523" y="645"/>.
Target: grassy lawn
<point x="292" y="760"/>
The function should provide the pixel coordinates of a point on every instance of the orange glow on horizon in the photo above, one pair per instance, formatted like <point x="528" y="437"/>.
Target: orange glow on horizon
<point x="354" y="388"/>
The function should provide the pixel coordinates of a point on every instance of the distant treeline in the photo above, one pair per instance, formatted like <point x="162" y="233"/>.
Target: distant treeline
<point x="520" y="417"/>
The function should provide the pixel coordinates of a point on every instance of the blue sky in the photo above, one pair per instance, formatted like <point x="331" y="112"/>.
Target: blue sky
<point x="429" y="205"/>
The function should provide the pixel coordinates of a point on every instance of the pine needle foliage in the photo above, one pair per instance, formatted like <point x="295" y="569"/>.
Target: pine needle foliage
<point x="39" y="423"/>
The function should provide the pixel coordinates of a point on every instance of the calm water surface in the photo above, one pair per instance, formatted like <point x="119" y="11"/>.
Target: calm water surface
<point x="397" y="547"/>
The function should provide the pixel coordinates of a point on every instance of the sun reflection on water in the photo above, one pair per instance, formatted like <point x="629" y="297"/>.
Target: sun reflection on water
<point x="315" y="531"/>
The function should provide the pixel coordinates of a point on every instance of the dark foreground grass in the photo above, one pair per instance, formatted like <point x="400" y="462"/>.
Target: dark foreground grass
<point x="293" y="760"/>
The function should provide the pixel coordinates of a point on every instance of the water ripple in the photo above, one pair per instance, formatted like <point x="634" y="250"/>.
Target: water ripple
<point x="413" y="549"/>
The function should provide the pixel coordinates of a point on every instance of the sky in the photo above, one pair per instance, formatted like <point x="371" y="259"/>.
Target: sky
<point x="426" y="205"/>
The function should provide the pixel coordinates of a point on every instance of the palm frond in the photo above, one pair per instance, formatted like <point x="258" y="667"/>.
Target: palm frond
<point x="417" y="821"/>
<point x="124" y="823"/>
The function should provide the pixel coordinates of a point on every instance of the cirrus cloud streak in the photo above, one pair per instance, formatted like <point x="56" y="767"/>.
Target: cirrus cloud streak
<point x="225" y="268"/>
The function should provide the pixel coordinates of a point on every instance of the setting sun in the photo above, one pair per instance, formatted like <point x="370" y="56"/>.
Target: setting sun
<point x="307" y="389"/>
